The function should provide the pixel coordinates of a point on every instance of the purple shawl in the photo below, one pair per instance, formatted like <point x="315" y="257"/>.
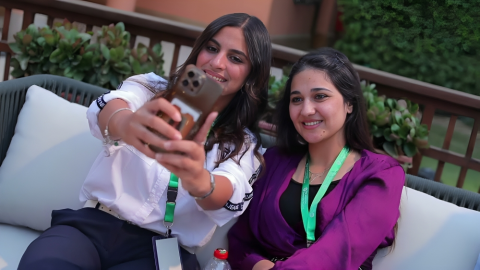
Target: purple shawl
<point x="355" y="218"/>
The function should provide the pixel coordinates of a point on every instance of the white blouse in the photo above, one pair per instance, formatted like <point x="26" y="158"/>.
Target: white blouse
<point x="134" y="185"/>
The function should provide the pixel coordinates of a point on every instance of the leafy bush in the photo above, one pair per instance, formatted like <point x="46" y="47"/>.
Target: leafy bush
<point x="433" y="41"/>
<point x="65" y="51"/>
<point x="394" y="124"/>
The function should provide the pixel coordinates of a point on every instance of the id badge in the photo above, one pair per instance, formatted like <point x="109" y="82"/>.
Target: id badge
<point x="167" y="253"/>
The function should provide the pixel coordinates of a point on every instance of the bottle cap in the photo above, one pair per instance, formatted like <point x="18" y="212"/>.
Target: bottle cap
<point x="221" y="254"/>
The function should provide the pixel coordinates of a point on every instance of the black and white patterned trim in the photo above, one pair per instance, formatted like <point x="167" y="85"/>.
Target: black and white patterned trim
<point x="255" y="175"/>
<point x="233" y="206"/>
<point x="248" y="196"/>
<point x="238" y="206"/>
<point x="101" y="102"/>
<point x="120" y="85"/>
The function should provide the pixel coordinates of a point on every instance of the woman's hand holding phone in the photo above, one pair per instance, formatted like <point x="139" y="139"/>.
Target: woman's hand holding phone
<point x="132" y="128"/>
<point x="186" y="159"/>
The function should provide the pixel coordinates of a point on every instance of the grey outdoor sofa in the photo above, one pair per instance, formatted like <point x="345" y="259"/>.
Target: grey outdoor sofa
<point x="16" y="233"/>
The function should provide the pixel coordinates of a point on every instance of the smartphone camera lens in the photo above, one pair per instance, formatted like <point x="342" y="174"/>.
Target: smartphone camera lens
<point x="191" y="74"/>
<point x="195" y="83"/>
<point x="185" y="82"/>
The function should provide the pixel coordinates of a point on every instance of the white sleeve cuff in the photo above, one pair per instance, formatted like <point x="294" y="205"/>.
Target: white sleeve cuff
<point x="242" y="176"/>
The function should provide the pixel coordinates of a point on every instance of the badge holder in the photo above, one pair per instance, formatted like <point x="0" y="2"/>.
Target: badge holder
<point x="166" y="248"/>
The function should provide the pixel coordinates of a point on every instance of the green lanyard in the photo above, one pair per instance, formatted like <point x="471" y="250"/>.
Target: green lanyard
<point x="172" y="192"/>
<point x="170" y="207"/>
<point x="309" y="216"/>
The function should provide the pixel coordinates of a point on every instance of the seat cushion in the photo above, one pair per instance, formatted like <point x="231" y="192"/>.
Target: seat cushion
<point x="14" y="242"/>
<point x="432" y="234"/>
<point x="47" y="161"/>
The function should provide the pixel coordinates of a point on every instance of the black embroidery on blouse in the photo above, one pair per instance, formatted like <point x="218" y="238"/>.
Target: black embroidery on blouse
<point x="120" y="85"/>
<point x="101" y="102"/>
<point x="248" y="196"/>
<point x="255" y="175"/>
<point x="233" y="206"/>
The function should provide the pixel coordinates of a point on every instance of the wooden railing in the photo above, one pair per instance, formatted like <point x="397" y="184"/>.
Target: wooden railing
<point x="431" y="97"/>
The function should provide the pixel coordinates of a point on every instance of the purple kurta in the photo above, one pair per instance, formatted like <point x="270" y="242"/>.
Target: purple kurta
<point x="355" y="218"/>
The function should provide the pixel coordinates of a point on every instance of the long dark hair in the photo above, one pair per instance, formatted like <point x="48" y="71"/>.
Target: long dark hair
<point x="344" y="77"/>
<point x="251" y="100"/>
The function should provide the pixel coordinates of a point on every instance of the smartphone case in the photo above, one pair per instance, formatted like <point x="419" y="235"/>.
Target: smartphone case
<point x="194" y="94"/>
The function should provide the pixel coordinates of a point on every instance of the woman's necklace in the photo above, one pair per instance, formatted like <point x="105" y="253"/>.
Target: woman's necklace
<point x="314" y="176"/>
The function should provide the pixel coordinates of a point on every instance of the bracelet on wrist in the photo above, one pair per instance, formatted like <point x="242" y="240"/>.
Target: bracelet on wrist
<point x="107" y="140"/>
<point x="212" y="187"/>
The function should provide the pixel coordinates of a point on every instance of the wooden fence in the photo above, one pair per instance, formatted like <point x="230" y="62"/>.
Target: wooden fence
<point x="432" y="97"/>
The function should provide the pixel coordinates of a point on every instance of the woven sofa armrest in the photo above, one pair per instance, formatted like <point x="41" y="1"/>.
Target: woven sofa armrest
<point x="461" y="197"/>
<point x="12" y="98"/>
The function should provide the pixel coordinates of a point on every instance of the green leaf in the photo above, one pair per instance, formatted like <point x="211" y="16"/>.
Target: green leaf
<point x="105" y="52"/>
<point x="120" y="27"/>
<point x="17" y="73"/>
<point x="114" y="82"/>
<point x="386" y="134"/>
<point x="404" y="131"/>
<point x="113" y="55"/>
<point x="398" y="117"/>
<point x="78" y="75"/>
<point x="68" y="72"/>
<point x="41" y="41"/>
<point x="122" y="67"/>
<point x="32" y="30"/>
<point x="401" y="105"/>
<point x="380" y="105"/>
<point x="111" y="35"/>
<point x="395" y="128"/>
<point x="392" y="104"/>
<point x="390" y="149"/>
<point x="157" y="49"/>
<point x="412" y="132"/>
<point x="23" y="61"/>
<point x="409" y="149"/>
<point x="56" y="56"/>
<point x="15" y="48"/>
<point x="136" y="67"/>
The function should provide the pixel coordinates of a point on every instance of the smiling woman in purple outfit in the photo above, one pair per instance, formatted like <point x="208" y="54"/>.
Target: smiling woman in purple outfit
<point x="325" y="201"/>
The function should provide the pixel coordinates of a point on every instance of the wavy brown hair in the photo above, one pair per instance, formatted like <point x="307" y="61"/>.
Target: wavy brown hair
<point x="251" y="100"/>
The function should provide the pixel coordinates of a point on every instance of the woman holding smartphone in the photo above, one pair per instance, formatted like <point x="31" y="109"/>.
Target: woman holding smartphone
<point x="133" y="194"/>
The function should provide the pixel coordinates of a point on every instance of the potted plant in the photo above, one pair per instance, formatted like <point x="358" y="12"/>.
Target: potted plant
<point x="394" y="125"/>
<point x="64" y="51"/>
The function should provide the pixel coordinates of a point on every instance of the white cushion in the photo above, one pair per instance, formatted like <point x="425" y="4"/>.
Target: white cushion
<point x="47" y="161"/>
<point x="15" y="241"/>
<point x="432" y="234"/>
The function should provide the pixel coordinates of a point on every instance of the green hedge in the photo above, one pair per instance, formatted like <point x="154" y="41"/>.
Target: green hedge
<point x="433" y="41"/>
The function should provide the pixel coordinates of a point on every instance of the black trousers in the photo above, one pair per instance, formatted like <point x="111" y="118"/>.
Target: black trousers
<point x="91" y="239"/>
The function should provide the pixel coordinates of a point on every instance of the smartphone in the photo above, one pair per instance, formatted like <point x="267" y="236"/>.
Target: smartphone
<point x="194" y="95"/>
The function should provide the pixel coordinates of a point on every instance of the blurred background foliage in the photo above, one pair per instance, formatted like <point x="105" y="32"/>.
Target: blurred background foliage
<point x="436" y="41"/>
<point x="65" y="51"/>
